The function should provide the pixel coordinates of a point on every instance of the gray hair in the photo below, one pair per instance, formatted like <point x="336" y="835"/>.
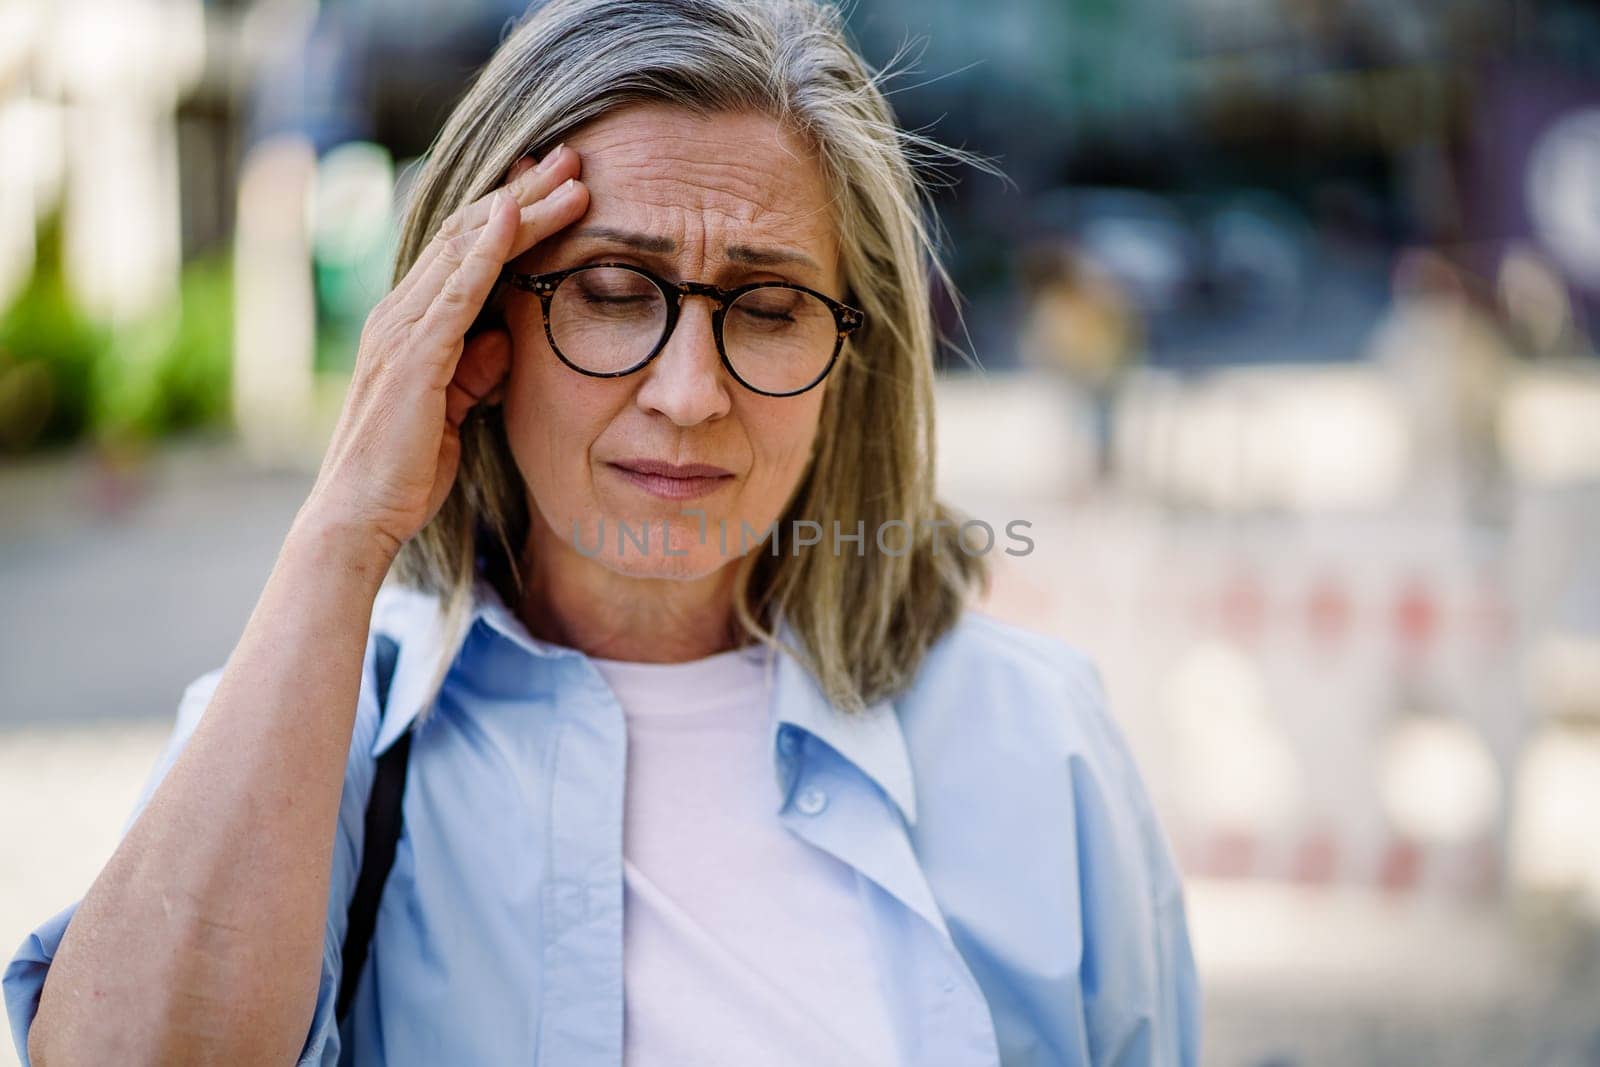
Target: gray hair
<point x="865" y="621"/>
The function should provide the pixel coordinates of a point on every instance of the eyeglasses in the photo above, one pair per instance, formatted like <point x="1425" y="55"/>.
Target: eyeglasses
<point x="610" y="319"/>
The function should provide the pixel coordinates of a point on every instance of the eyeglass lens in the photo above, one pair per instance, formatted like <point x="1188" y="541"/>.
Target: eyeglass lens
<point x="608" y="319"/>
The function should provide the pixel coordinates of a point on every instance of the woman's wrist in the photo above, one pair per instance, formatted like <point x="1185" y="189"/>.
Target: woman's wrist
<point x="347" y="547"/>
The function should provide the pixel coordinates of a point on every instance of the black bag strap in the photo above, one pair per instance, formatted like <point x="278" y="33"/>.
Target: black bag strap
<point x="383" y="819"/>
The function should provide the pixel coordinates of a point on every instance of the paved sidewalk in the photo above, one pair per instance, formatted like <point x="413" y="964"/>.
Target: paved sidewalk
<point x="65" y="792"/>
<point x="118" y="594"/>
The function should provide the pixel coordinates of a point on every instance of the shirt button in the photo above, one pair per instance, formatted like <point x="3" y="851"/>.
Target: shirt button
<point x="811" y="801"/>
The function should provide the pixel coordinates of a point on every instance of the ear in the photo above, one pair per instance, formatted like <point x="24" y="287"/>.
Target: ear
<point x="480" y="374"/>
<point x="492" y="317"/>
<point x="497" y="395"/>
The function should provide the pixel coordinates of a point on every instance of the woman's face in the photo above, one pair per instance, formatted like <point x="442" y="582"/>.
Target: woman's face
<point x="725" y="199"/>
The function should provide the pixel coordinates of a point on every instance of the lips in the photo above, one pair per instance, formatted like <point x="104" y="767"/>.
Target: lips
<point x="672" y="470"/>
<point x="673" y="481"/>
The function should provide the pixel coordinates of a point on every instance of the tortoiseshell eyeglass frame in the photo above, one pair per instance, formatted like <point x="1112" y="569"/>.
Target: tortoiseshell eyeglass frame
<point x="847" y="320"/>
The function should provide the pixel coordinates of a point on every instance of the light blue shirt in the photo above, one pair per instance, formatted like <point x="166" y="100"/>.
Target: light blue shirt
<point x="1021" y="887"/>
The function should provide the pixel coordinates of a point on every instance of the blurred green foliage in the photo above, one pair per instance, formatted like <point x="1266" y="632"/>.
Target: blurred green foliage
<point x="170" y="371"/>
<point x="65" y="378"/>
<point x="48" y="351"/>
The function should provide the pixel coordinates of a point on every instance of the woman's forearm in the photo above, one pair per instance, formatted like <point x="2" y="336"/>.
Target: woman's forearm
<point x="201" y="939"/>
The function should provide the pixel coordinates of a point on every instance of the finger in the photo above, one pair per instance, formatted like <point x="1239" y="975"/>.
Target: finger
<point x="525" y="181"/>
<point x="539" y="221"/>
<point x="480" y="375"/>
<point x="534" y="223"/>
<point x="528" y="182"/>
<point x="518" y="169"/>
<point x="462" y="294"/>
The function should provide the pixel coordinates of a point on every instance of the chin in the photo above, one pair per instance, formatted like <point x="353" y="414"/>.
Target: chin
<point x="679" y="569"/>
<point x="670" y="548"/>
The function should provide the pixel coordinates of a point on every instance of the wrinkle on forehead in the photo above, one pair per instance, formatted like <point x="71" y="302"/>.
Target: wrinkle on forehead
<point x="705" y="182"/>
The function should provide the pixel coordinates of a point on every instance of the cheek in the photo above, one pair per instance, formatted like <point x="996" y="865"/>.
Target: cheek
<point x="552" y="418"/>
<point x="783" y="432"/>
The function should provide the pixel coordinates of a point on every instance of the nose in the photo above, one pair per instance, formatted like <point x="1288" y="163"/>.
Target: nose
<point x="686" y="381"/>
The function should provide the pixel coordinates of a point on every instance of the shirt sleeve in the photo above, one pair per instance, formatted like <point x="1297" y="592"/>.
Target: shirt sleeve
<point x="1141" y="995"/>
<point x="25" y="975"/>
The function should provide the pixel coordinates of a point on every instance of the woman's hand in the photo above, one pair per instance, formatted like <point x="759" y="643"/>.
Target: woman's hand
<point x="201" y="940"/>
<point x="396" y="447"/>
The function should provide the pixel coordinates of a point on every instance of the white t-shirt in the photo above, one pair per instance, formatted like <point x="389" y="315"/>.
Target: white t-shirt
<point x="742" y="944"/>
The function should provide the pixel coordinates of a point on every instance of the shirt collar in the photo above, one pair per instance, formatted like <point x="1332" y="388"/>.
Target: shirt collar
<point x="872" y="739"/>
<point x="413" y="618"/>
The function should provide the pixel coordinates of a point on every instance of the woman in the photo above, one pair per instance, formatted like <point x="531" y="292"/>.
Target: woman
<point x="673" y="798"/>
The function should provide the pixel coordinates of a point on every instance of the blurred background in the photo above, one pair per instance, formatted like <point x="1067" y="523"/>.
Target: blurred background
<point x="1278" y="332"/>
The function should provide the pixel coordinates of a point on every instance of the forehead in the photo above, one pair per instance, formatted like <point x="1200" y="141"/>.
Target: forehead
<point x="705" y="184"/>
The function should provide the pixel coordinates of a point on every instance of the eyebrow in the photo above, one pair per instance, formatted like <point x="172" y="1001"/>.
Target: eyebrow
<point x="751" y="255"/>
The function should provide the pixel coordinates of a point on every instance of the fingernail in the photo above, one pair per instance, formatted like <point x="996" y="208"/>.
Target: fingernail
<point x="550" y="158"/>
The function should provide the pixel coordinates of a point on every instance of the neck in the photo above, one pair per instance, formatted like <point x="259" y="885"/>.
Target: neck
<point x="579" y="601"/>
